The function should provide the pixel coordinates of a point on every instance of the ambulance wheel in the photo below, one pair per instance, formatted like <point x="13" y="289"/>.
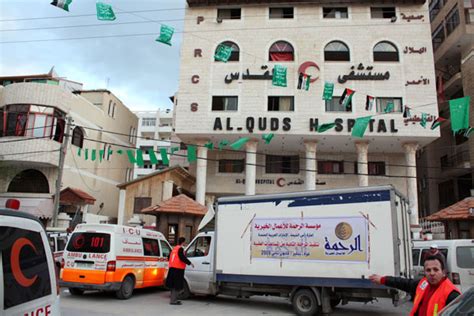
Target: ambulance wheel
<point x="185" y="293"/>
<point x="126" y="289"/>
<point x="75" y="291"/>
<point x="305" y="303"/>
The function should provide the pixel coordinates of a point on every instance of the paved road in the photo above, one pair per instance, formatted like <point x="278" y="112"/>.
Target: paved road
<point x="154" y="301"/>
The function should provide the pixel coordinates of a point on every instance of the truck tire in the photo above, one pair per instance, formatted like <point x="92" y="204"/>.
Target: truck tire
<point x="305" y="303"/>
<point x="126" y="289"/>
<point x="75" y="291"/>
<point x="185" y="292"/>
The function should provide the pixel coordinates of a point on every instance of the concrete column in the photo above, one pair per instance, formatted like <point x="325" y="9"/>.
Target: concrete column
<point x="121" y="207"/>
<point x="363" y="163"/>
<point x="311" y="164"/>
<point x="250" y="167"/>
<point x="201" y="173"/>
<point x="410" y="161"/>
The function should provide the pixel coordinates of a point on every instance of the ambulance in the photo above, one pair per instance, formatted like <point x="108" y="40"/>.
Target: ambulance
<point x="114" y="258"/>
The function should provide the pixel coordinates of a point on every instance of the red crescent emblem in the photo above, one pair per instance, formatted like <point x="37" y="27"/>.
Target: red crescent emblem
<point x="15" y="262"/>
<point x="279" y="182"/>
<point x="306" y="65"/>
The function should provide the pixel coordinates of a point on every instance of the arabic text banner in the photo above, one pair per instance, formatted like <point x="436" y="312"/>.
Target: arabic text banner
<point x="322" y="238"/>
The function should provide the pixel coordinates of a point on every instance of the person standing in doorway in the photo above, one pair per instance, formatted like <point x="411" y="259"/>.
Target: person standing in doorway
<point x="177" y="265"/>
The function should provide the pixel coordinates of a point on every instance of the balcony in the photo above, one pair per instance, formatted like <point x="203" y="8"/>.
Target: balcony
<point x="29" y="151"/>
<point x="167" y="129"/>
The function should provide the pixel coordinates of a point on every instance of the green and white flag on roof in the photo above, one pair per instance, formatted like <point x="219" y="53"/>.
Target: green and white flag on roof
<point x="166" y="34"/>
<point x="62" y="4"/>
<point x="105" y="12"/>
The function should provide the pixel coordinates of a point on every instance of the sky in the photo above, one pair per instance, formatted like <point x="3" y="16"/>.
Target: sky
<point x="141" y="72"/>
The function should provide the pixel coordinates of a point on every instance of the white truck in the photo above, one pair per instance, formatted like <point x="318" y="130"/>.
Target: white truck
<point x="316" y="247"/>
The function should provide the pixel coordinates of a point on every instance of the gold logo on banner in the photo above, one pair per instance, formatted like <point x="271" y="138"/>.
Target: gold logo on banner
<point x="343" y="231"/>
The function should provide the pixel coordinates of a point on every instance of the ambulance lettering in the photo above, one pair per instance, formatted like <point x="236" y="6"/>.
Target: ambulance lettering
<point x="100" y="256"/>
<point x="131" y="231"/>
<point x="42" y="311"/>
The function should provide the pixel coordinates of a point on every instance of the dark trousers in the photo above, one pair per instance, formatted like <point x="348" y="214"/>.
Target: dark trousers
<point x="174" y="295"/>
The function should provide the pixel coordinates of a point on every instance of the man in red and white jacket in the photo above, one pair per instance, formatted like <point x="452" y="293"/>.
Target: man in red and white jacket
<point x="431" y="293"/>
<point x="177" y="265"/>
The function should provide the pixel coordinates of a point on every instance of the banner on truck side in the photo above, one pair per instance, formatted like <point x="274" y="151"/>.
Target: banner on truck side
<point x="314" y="238"/>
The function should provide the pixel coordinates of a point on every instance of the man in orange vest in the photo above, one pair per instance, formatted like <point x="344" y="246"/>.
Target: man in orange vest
<point x="177" y="265"/>
<point x="431" y="293"/>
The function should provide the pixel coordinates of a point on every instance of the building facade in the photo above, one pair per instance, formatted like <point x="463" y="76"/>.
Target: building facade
<point x="357" y="45"/>
<point x="33" y="122"/>
<point x="154" y="131"/>
<point x="446" y="165"/>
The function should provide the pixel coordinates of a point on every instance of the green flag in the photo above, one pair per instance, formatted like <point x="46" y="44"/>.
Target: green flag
<point x="136" y="160"/>
<point x="192" y="156"/>
<point x="209" y="145"/>
<point x="174" y="149"/>
<point x="93" y="155"/>
<point x="424" y="118"/>
<point x="325" y="127"/>
<point x="166" y="33"/>
<point x="222" y="144"/>
<point x="79" y="152"/>
<point x="389" y="108"/>
<point x="267" y="138"/>
<point x="223" y="53"/>
<point x="119" y="152"/>
<point x="328" y="90"/>
<point x="101" y="154"/>
<point x="110" y="152"/>
<point x="360" y="126"/>
<point x="86" y="154"/>
<point x="459" y="109"/>
<point x="62" y="4"/>
<point x="105" y="12"/>
<point x="239" y="143"/>
<point x="164" y="156"/>
<point x="152" y="155"/>
<point x="279" y="76"/>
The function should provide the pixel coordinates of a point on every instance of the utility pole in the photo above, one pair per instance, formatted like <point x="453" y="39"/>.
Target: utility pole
<point x="62" y="156"/>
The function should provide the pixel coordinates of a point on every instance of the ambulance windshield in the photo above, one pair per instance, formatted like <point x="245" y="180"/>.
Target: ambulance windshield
<point x="89" y="242"/>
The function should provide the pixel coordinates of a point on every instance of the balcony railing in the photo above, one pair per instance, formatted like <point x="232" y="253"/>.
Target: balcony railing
<point x="455" y="160"/>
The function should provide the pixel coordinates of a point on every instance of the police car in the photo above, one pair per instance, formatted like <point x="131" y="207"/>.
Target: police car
<point x="29" y="285"/>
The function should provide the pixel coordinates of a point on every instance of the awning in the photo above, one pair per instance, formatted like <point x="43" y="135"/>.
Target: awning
<point x="74" y="196"/>
<point x="181" y="204"/>
<point x="462" y="210"/>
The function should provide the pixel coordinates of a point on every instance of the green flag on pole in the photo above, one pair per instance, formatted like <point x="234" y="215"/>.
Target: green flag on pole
<point x="279" y="76"/>
<point x="101" y="154"/>
<point x="136" y="160"/>
<point x="93" y="155"/>
<point x="223" y="53"/>
<point x="459" y="109"/>
<point x="105" y="12"/>
<point x="209" y="145"/>
<point x="239" y="143"/>
<point x="79" y="152"/>
<point x="192" y="156"/>
<point x="62" y="4"/>
<point x="153" y="159"/>
<point x="166" y="33"/>
<point x="86" y="154"/>
<point x="164" y="156"/>
<point x="360" y="126"/>
<point x="328" y="90"/>
<point x="267" y="138"/>
<point x="222" y="144"/>
<point x="325" y="127"/>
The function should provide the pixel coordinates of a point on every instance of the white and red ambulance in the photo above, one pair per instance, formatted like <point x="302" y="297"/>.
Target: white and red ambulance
<point x="114" y="258"/>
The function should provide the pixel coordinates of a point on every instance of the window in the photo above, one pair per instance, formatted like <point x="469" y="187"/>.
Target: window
<point x="165" y="249"/>
<point x="200" y="247"/>
<point x="336" y="51"/>
<point x="89" y="242"/>
<point x="77" y="137"/>
<point x="335" y="13"/>
<point x="33" y="263"/>
<point x="416" y="256"/>
<point x="228" y="14"/>
<point x="452" y="20"/>
<point x="383" y="12"/>
<point x="281" y="13"/>
<point x="235" y="55"/>
<point x="465" y="257"/>
<point x="385" y="51"/>
<point x="281" y="51"/>
<point x="145" y="149"/>
<point x="375" y="168"/>
<point x="381" y="104"/>
<point x="110" y="108"/>
<point x="438" y="37"/>
<point x="231" y="165"/>
<point x="150" y="247"/>
<point x="334" y="105"/>
<point x="225" y="103"/>
<point x="140" y="203"/>
<point x="131" y="137"/>
<point x="29" y="181"/>
<point x="281" y="104"/>
<point x="148" y="121"/>
<point x="330" y="167"/>
<point x="282" y="164"/>
<point x="113" y="110"/>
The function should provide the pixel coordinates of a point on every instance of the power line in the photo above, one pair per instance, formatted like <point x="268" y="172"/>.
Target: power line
<point x="30" y="152"/>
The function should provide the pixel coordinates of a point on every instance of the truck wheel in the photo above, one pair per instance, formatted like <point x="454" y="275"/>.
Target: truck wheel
<point x="185" y="293"/>
<point x="126" y="289"/>
<point x="305" y="303"/>
<point x="75" y="291"/>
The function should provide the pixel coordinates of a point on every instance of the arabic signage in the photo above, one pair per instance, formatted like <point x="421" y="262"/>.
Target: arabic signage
<point x="362" y="75"/>
<point x="415" y="119"/>
<point x="263" y="124"/>
<point x="412" y="50"/>
<point x="408" y="18"/>
<point x="423" y="81"/>
<point x="281" y="182"/>
<point x="321" y="239"/>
